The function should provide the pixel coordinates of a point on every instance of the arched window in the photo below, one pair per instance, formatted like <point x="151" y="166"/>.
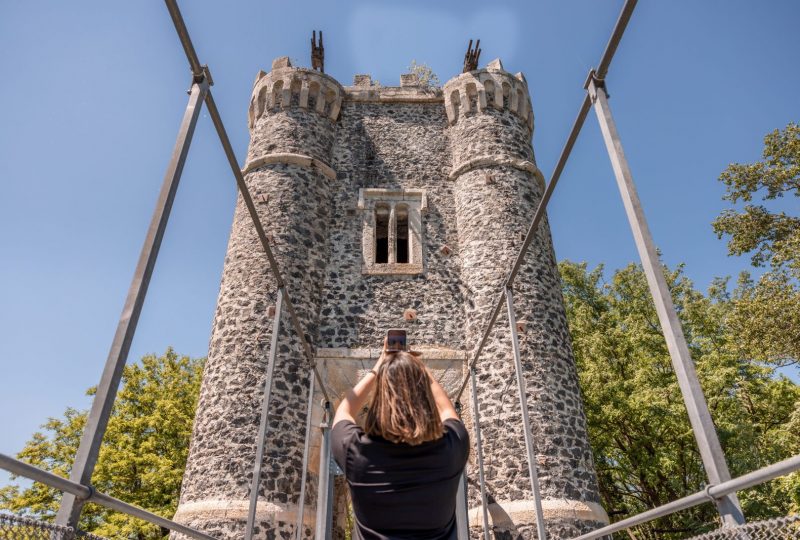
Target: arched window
<point x="381" y="234"/>
<point x="472" y="96"/>
<point x="455" y="99"/>
<point x="313" y="94"/>
<point x="401" y="240"/>
<point x="490" y="97"/>
<point x="277" y="93"/>
<point x="506" y="95"/>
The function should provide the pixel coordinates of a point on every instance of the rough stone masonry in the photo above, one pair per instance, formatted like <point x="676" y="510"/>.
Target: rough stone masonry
<point x="389" y="207"/>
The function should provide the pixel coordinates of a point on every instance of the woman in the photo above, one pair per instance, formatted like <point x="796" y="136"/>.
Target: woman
<point x="403" y="468"/>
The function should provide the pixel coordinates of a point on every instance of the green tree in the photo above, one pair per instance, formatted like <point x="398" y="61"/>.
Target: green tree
<point x="143" y="454"/>
<point x="643" y="445"/>
<point x="427" y="78"/>
<point x="767" y="317"/>
<point x="773" y="238"/>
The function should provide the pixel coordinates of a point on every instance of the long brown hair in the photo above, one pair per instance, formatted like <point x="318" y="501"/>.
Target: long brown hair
<point x="403" y="409"/>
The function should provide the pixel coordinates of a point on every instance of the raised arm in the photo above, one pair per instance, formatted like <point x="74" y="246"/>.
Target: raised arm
<point x="355" y="398"/>
<point x="443" y="403"/>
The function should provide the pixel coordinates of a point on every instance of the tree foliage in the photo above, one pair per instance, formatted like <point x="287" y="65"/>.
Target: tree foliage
<point x="643" y="445"/>
<point x="426" y="75"/>
<point x="768" y="317"/>
<point x="143" y="454"/>
<point x="773" y="238"/>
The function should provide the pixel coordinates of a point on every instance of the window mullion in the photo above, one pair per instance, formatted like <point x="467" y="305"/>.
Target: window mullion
<point x="392" y="234"/>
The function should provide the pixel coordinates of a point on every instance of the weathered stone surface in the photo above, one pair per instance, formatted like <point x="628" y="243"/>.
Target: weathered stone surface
<point x="318" y="153"/>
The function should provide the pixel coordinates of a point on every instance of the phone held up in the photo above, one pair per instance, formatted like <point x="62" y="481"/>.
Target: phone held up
<point x="396" y="340"/>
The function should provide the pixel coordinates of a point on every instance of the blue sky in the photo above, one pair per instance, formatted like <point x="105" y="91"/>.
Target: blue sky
<point x="93" y="93"/>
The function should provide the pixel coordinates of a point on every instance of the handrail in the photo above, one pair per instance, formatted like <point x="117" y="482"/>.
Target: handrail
<point x="88" y="494"/>
<point x="709" y="494"/>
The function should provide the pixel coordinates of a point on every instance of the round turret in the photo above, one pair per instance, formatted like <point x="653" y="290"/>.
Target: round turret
<point x="497" y="188"/>
<point x="293" y="115"/>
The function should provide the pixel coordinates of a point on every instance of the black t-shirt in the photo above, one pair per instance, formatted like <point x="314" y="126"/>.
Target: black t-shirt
<point x="401" y="491"/>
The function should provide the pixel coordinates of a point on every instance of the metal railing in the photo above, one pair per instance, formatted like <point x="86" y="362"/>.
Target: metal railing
<point x="711" y="493"/>
<point x="721" y="490"/>
<point x="14" y="527"/>
<point x="86" y="494"/>
<point x="782" y="528"/>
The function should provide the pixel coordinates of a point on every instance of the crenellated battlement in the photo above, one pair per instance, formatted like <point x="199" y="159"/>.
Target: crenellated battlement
<point x="287" y="86"/>
<point x="475" y="91"/>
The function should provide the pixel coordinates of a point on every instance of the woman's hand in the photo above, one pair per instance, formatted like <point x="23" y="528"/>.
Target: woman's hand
<point x="382" y="357"/>
<point x="356" y="398"/>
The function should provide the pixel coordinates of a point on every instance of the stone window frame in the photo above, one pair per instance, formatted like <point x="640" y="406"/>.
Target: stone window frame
<point x="416" y="202"/>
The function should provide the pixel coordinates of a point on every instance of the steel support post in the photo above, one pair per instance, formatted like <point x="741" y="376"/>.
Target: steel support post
<point x="86" y="457"/>
<point x="479" y="449"/>
<point x="262" y="427"/>
<point x="325" y="496"/>
<point x="462" y="508"/>
<point x="462" y="505"/>
<point x="301" y="501"/>
<point x="526" y="421"/>
<point x="699" y="415"/>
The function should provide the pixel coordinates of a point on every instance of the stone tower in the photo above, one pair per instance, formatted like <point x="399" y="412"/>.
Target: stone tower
<point x="388" y="207"/>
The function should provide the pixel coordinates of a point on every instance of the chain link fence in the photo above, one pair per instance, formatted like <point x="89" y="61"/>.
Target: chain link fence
<point x="22" y="528"/>
<point x="782" y="528"/>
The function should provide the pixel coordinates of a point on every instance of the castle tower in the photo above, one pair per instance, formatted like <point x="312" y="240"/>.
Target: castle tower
<point x="388" y="207"/>
<point x="497" y="188"/>
<point x="292" y="120"/>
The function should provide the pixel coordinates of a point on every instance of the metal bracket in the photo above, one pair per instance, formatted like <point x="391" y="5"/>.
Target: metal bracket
<point x="707" y="493"/>
<point x="89" y="495"/>
<point x="592" y="83"/>
<point x="204" y="75"/>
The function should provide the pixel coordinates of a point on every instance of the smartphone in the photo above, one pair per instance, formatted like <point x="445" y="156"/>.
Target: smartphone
<point x="396" y="340"/>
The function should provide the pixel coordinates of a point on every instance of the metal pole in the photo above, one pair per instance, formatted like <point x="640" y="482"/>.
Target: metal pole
<point x="262" y="428"/>
<point x="325" y="493"/>
<point x="711" y="492"/>
<point x="616" y="37"/>
<point x="462" y="508"/>
<point x="88" y="494"/>
<point x="183" y="35"/>
<point x="479" y="449"/>
<point x="699" y="415"/>
<point x="86" y="457"/>
<point x="301" y="502"/>
<point x="526" y="421"/>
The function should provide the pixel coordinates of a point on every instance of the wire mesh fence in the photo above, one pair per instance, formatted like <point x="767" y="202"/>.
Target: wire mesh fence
<point x="14" y="527"/>
<point x="782" y="528"/>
